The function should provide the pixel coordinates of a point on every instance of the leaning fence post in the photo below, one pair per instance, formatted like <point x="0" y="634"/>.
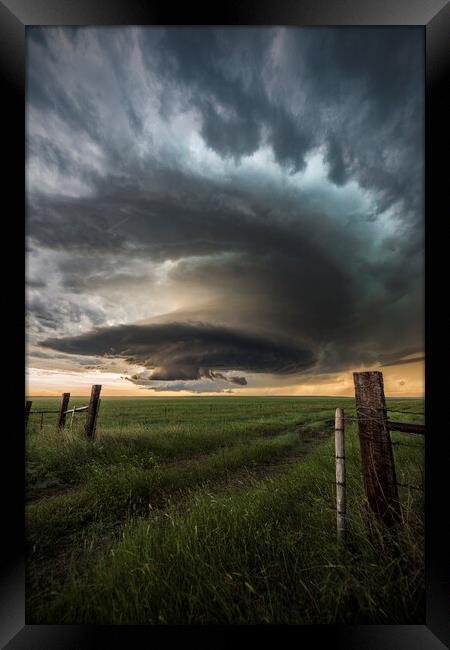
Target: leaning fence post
<point x="96" y="413"/>
<point x="376" y="450"/>
<point x="27" y="412"/>
<point x="91" y="417"/>
<point x="62" y="411"/>
<point x="340" y="475"/>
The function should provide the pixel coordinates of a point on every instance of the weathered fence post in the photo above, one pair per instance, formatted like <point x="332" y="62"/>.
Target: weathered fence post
<point x="62" y="411"/>
<point x="27" y="412"/>
<point x="96" y="414"/>
<point x="91" y="418"/>
<point x="376" y="450"/>
<point x="340" y="475"/>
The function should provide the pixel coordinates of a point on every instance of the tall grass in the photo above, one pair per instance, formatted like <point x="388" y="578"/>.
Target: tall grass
<point x="264" y="553"/>
<point x="56" y="459"/>
<point x="131" y="485"/>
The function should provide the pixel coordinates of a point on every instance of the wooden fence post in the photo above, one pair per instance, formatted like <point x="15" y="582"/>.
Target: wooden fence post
<point x="376" y="450"/>
<point x="27" y="412"/>
<point x="340" y="475"/>
<point x="91" y="418"/>
<point x="96" y="413"/>
<point x="62" y="412"/>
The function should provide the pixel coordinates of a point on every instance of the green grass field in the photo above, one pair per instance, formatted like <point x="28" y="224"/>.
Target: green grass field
<point x="215" y="511"/>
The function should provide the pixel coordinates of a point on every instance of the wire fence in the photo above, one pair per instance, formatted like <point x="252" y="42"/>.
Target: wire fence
<point x="123" y="416"/>
<point x="405" y="412"/>
<point x="318" y="420"/>
<point x="379" y="415"/>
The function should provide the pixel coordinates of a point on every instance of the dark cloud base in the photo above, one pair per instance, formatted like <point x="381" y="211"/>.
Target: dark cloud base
<point x="186" y="351"/>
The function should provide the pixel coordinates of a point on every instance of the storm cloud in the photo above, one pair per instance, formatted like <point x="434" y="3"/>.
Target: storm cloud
<point x="203" y="201"/>
<point x="190" y="350"/>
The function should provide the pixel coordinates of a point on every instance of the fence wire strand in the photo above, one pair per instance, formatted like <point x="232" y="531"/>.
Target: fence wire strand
<point x="411" y="487"/>
<point x="407" y="444"/>
<point x="405" y="412"/>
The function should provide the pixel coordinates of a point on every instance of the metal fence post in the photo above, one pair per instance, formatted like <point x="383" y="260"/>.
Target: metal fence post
<point x="340" y="475"/>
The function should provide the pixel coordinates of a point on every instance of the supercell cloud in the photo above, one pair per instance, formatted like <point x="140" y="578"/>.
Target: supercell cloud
<point x="210" y="204"/>
<point x="189" y="351"/>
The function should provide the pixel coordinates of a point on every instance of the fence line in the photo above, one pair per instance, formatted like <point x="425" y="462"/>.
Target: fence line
<point x="407" y="444"/>
<point x="411" y="487"/>
<point x="91" y="418"/>
<point x="405" y="412"/>
<point x="76" y="409"/>
<point x="406" y="427"/>
<point x="379" y="474"/>
<point x="374" y="427"/>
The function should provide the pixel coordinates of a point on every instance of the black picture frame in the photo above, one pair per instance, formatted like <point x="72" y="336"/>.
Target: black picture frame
<point x="15" y="15"/>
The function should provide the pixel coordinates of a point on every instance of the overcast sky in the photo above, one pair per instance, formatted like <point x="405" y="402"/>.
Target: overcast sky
<point x="232" y="210"/>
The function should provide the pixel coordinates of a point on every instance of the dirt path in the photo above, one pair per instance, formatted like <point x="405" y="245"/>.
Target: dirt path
<point x="47" y="573"/>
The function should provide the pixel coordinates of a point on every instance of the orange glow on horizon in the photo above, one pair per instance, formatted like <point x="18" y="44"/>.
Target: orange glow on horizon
<point x="403" y="380"/>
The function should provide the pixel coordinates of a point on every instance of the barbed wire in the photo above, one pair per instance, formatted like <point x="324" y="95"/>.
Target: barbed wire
<point x="405" y="412"/>
<point x="364" y="419"/>
<point x="145" y="415"/>
<point x="392" y="427"/>
<point x="407" y="444"/>
<point x="410" y="487"/>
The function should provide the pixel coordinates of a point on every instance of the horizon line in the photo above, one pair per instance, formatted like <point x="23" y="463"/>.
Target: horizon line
<point x="226" y="396"/>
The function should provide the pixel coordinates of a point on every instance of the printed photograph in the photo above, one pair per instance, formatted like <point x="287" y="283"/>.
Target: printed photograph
<point x="224" y="409"/>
